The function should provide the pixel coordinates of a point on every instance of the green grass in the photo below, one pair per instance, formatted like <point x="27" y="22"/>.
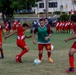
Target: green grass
<point x="8" y="66"/>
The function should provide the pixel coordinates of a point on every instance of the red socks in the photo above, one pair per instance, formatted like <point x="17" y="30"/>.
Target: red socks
<point x="49" y="54"/>
<point x="40" y="56"/>
<point x="71" y="61"/>
<point x="22" y="53"/>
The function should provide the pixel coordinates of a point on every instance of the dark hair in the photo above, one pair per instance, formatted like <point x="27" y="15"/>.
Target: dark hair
<point x="41" y="20"/>
<point x="73" y="18"/>
<point x="24" y="25"/>
<point x="46" y="19"/>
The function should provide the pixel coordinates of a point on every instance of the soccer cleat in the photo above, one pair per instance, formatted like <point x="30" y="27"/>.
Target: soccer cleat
<point x="20" y="60"/>
<point x="2" y="56"/>
<point x="51" y="61"/>
<point x="17" y="58"/>
<point x="71" y="70"/>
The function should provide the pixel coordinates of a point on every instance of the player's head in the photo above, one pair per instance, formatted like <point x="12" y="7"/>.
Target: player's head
<point x="46" y="21"/>
<point x="24" y="26"/>
<point x="73" y="18"/>
<point x="42" y="22"/>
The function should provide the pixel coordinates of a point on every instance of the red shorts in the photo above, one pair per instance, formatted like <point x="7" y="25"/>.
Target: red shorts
<point x="0" y="43"/>
<point x="74" y="45"/>
<point x="21" y="43"/>
<point x="41" y="46"/>
<point x="7" y="29"/>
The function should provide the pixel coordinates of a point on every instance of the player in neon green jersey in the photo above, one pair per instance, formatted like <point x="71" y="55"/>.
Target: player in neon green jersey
<point x="44" y="33"/>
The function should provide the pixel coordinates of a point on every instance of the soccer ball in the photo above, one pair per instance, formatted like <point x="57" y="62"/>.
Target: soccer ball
<point x="52" y="47"/>
<point x="36" y="61"/>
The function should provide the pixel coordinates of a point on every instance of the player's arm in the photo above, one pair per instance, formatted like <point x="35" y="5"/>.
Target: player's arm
<point x="10" y="34"/>
<point x="28" y="36"/>
<point x="33" y="35"/>
<point x="71" y="38"/>
<point x="3" y="32"/>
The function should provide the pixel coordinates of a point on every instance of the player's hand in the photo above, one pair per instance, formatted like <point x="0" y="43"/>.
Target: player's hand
<point x="46" y="38"/>
<point x="6" y="37"/>
<point x="66" y="40"/>
<point x="34" y="42"/>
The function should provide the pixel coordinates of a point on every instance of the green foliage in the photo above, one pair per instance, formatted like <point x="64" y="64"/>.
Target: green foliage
<point x="64" y="17"/>
<point x="57" y="12"/>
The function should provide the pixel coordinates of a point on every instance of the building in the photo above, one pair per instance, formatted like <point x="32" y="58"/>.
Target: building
<point x="55" y="5"/>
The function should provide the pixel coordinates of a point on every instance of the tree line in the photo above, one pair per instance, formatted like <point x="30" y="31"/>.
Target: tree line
<point x="7" y="7"/>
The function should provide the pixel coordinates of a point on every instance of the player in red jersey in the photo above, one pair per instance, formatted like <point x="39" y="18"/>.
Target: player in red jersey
<point x="71" y="27"/>
<point x="20" y="41"/>
<point x="73" y="47"/>
<point x="63" y="27"/>
<point x="60" y="26"/>
<point x="7" y="28"/>
<point x="1" y="49"/>
<point x="14" y="25"/>
<point x="57" y="27"/>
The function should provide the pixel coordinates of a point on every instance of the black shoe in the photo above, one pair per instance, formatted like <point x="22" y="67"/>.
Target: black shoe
<point x="2" y="56"/>
<point x="70" y="70"/>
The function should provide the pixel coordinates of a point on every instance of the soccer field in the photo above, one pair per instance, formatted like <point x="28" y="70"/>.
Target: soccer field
<point x="8" y="66"/>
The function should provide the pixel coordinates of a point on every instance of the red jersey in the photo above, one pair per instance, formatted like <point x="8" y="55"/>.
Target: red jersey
<point x="60" y="26"/>
<point x="57" y="25"/>
<point x="7" y="26"/>
<point x="0" y="35"/>
<point x="72" y="26"/>
<point x="20" y="33"/>
<point x="14" y="25"/>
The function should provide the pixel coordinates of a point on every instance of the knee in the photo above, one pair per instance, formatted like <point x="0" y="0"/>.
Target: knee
<point x="70" y="54"/>
<point x="40" y="52"/>
<point x="26" y="48"/>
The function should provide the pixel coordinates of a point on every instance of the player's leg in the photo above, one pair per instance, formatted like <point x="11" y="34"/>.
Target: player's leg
<point x="71" y="59"/>
<point x="40" y="48"/>
<point x="24" y="48"/>
<point x="48" y="48"/>
<point x="1" y="49"/>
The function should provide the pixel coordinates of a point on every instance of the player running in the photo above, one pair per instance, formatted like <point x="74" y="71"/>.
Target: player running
<point x="20" y="40"/>
<point x="44" y="33"/>
<point x="73" y="47"/>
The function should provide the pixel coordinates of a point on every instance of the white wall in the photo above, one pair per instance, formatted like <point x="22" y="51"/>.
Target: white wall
<point x="65" y="3"/>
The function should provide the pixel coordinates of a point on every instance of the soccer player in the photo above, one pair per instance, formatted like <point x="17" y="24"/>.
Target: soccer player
<point x="14" y="25"/>
<point x="44" y="33"/>
<point x="57" y="27"/>
<point x="20" y="41"/>
<point x="7" y="28"/>
<point x="73" y="47"/>
<point x="1" y="49"/>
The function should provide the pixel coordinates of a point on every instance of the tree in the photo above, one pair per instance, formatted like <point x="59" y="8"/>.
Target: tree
<point x="7" y="7"/>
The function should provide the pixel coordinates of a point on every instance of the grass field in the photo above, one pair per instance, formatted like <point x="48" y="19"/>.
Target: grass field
<point x="8" y="66"/>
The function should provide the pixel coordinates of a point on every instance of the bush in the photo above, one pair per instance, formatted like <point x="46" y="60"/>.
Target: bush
<point x="64" y="17"/>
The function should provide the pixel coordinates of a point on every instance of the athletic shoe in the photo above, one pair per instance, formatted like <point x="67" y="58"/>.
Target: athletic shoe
<point x="51" y="61"/>
<point x="71" y="70"/>
<point x="20" y="60"/>
<point x="2" y="56"/>
<point x="17" y="58"/>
